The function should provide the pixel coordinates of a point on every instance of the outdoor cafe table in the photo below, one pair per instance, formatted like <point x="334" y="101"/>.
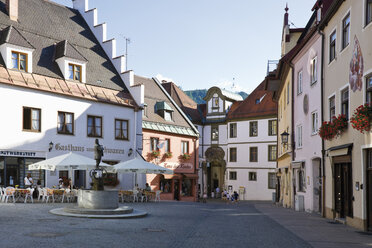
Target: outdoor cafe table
<point x="58" y="194"/>
<point x="20" y="194"/>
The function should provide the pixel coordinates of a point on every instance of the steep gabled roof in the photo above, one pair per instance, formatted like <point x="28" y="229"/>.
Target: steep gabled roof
<point x="44" y="23"/>
<point x="154" y="96"/>
<point x="258" y="104"/>
<point x="188" y="106"/>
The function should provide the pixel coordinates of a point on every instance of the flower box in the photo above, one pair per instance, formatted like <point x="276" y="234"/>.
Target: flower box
<point x="334" y="128"/>
<point x="361" y="119"/>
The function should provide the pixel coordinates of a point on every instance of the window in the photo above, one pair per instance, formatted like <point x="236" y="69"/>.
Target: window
<point x="368" y="11"/>
<point x="253" y="154"/>
<point x="19" y="61"/>
<point x="313" y="70"/>
<point x="301" y="180"/>
<point x="154" y="144"/>
<point x="74" y="72"/>
<point x="369" y="90"/>
<point x="94" y="126"/>
<point x="233" y="130"/>
<point x="272" y="127"/>
<point x="121" y="129"/>
<point x="144" y="111"/>
<point x="314" y="122"/>
<point x="167" y="115"/>
<point x="214" y="132"/>
<point x="232" y="175"/>
<point x="287" y="93"/>
<point x="184" y="147"/>
<point x="167" y="145"/>
<point x="346" y="31"/>
<point x="252" y="176"/>
<point x="299" y="136"/>
<point x="166" y="185"/>
<point x="65" y="123"/>
<point x="271" y="180"/>
<point x="345" y="102"/>
<point x="253" y="126"/>
<point x="233" y="154"/>
<point x="187" y="186"/>
<point x="31" y="119"/>
<point x="332" y="46"/>
<point x="299" y="82"/>
<point x="215" y="102"/>
<point x="272" y="153"/>
<point x="332" y="107"/>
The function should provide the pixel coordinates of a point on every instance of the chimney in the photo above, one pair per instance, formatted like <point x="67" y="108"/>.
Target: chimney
<point x="12" y="8"/>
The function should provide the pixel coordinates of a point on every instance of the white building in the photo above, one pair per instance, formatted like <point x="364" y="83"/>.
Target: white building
<point x="62" y="86"/>
<point x="237" y="144"/>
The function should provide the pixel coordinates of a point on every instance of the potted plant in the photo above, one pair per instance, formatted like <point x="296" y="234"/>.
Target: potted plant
<point x="331" y="129"/>
<point x="361" y="118"/>
<point x="155" y="154"/>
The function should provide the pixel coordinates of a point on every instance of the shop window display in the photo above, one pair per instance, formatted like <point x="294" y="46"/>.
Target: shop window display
<point x="166" y="185"/>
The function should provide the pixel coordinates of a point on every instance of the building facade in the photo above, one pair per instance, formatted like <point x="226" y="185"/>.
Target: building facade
<point x="62" y="92"/>
<point x="347" y="73"/>
<point x="171" y="141"/>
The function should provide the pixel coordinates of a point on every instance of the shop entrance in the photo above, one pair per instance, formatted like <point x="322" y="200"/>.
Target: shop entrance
<point x="79" y="178"/>
<point x="343" y="189"/>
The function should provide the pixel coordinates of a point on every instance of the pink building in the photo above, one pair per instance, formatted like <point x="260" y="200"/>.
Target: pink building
<point x="169" y="140"/>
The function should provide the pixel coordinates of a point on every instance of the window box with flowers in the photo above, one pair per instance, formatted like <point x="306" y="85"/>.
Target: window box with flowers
<point x="334" y="128"/>
<point x="185" y="156"/>
<point x="155" y="154"/>
<point x="168" y="155"/>
<point x="361" y="118"/>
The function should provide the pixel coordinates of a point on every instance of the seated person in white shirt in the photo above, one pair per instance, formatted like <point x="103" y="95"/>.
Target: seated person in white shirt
<point x="28" y="181"/>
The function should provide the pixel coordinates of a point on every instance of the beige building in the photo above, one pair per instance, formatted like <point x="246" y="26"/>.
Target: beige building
<point x="347" y="65"/>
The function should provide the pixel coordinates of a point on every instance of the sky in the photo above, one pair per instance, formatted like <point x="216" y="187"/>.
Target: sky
<point x="198" y="44"/>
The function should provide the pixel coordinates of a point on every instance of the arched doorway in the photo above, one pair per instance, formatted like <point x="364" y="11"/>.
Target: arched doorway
<point x="214" y="169"/>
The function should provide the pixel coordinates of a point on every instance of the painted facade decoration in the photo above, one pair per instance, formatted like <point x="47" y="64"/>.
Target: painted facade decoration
<point x="356" y="67"/>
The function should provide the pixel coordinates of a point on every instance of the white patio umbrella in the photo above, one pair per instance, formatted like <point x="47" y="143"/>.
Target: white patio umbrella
<point x="138" y="165"/>
<point x="69" y="161"/>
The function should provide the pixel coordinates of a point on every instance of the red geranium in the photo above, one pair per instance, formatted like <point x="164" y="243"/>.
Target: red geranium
<point x="360" y="119"/>
<point x="331" y="129"/>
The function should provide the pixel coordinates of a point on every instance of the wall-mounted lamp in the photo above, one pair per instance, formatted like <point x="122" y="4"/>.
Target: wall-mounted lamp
<point x="284" y="137"/>
<point x="130" y="152"/>
<point x="50" y="146"/>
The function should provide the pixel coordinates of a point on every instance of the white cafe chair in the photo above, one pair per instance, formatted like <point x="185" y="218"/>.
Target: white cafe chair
<point x="29" y="195"/>
<point x="9" y="193"/>
<point x="157" y="196"/>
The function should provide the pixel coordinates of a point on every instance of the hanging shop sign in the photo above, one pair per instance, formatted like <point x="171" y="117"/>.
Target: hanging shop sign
<point x="28" y="154"/>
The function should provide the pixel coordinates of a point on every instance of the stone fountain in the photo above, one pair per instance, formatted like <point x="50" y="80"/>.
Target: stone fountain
<point x="97" y="202"/>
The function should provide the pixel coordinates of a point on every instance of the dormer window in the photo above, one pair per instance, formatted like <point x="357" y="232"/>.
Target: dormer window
<point x="19" y="61"/>
<point x="164" y="110"/>
<point x="74" y="72"/>
<point x="70" y="61"/>
<point x="215" y="102"/>
<point x="15" y="50"/>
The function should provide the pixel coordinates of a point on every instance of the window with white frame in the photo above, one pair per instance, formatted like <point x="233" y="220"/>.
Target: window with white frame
<point x="271" y="180"/>
<point x="299" y="136"/>
<point x="299" y="82"/>
<point x="313" y="70"/>
<point x="345" y="102"/>
<point x="232" y="175"/>
<point x="314" y="122"/>
<point x="332" y="46"/>
<point x="368" y="11"/>
<point x="369" y="89"/>
<point x="233" y="130"/>
<point x="346" y="31"/>
<point x="332" y="107"/>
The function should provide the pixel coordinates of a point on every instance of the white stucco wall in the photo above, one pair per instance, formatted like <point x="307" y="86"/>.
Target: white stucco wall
<point x="13" y="138"/>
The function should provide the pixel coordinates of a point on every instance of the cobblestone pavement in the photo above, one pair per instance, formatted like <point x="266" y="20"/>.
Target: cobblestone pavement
<point x="171" y="224"/>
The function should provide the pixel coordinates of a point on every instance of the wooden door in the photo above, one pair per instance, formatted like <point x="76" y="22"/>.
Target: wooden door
<point x="343" y="190"/>
<point x="369" y="198"/>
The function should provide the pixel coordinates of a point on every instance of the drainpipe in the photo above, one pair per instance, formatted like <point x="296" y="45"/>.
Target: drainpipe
<point x="292" y="131"/>
<point x="322" y="119"/>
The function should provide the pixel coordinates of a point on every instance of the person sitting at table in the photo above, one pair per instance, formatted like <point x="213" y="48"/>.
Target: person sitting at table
<point x="60" y="183"/>
<point x="28" y="181"/>
<point x="147" y="188"/>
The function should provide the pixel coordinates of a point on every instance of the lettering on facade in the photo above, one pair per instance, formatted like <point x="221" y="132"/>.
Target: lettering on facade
<point x="174" y="166"/>
<point x="17" y="153"/>
<point x="72" y="148"/>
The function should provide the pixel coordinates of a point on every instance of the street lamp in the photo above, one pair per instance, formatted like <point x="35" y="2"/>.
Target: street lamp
<point x="284" y="136"/>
